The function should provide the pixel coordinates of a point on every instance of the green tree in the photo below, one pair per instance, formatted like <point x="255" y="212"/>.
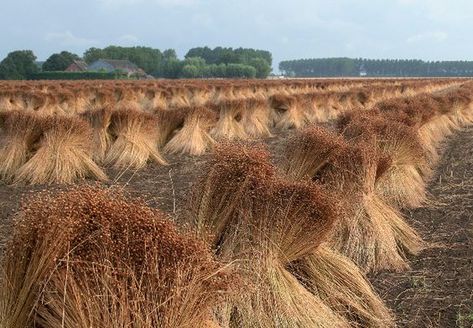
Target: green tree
<point x="195" y="61"/>
<point x="170" y="69"/>
<point x="59" y="61"/>
<point x="169" y="54"/>
<point x="374" y="67"/>
<point x="203" y="52"/>
<point x="18" y="65"/>
<point x="240" y="71"/>
<point x="220" y="70"/>
<point x="191" y="72"/>
<point x="215" y="70"/>
<point x="93" y="54"/>
<point x="262" y="67"/>
<point x="221" y="55"/>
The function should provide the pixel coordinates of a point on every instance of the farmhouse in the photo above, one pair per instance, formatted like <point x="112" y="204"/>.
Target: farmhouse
<point x="77" y="66"/>
<point x="110" y="65"/>
<point x="363" y="71"/>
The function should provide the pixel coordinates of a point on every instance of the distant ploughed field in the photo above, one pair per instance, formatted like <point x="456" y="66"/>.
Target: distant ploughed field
<point x="223" y="203"/>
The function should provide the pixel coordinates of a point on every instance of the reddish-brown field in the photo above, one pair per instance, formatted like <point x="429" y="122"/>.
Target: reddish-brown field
<point x="295" y="203"/>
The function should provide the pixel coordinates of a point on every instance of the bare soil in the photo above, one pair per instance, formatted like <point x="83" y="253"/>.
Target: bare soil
<point x="438" y="290"/>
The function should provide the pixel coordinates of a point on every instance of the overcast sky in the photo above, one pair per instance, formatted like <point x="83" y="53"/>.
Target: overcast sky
<point x="290" y="29"/>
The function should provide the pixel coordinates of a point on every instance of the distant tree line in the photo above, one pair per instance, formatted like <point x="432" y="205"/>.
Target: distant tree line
<point x="61" y="75"/>
<point x="332" y="67"/>
<point x="148" y="59"/>
<point x="261" y="60"/>
<point x="201" y="62"/>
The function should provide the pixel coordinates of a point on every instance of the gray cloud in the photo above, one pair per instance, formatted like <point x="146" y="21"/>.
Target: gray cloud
<point x="68" y="39"/>
<point x="163" y="3"/>
<point x="128" y="39"/>
<point x="425" y="29"/>
<point x="429" y="36"/>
